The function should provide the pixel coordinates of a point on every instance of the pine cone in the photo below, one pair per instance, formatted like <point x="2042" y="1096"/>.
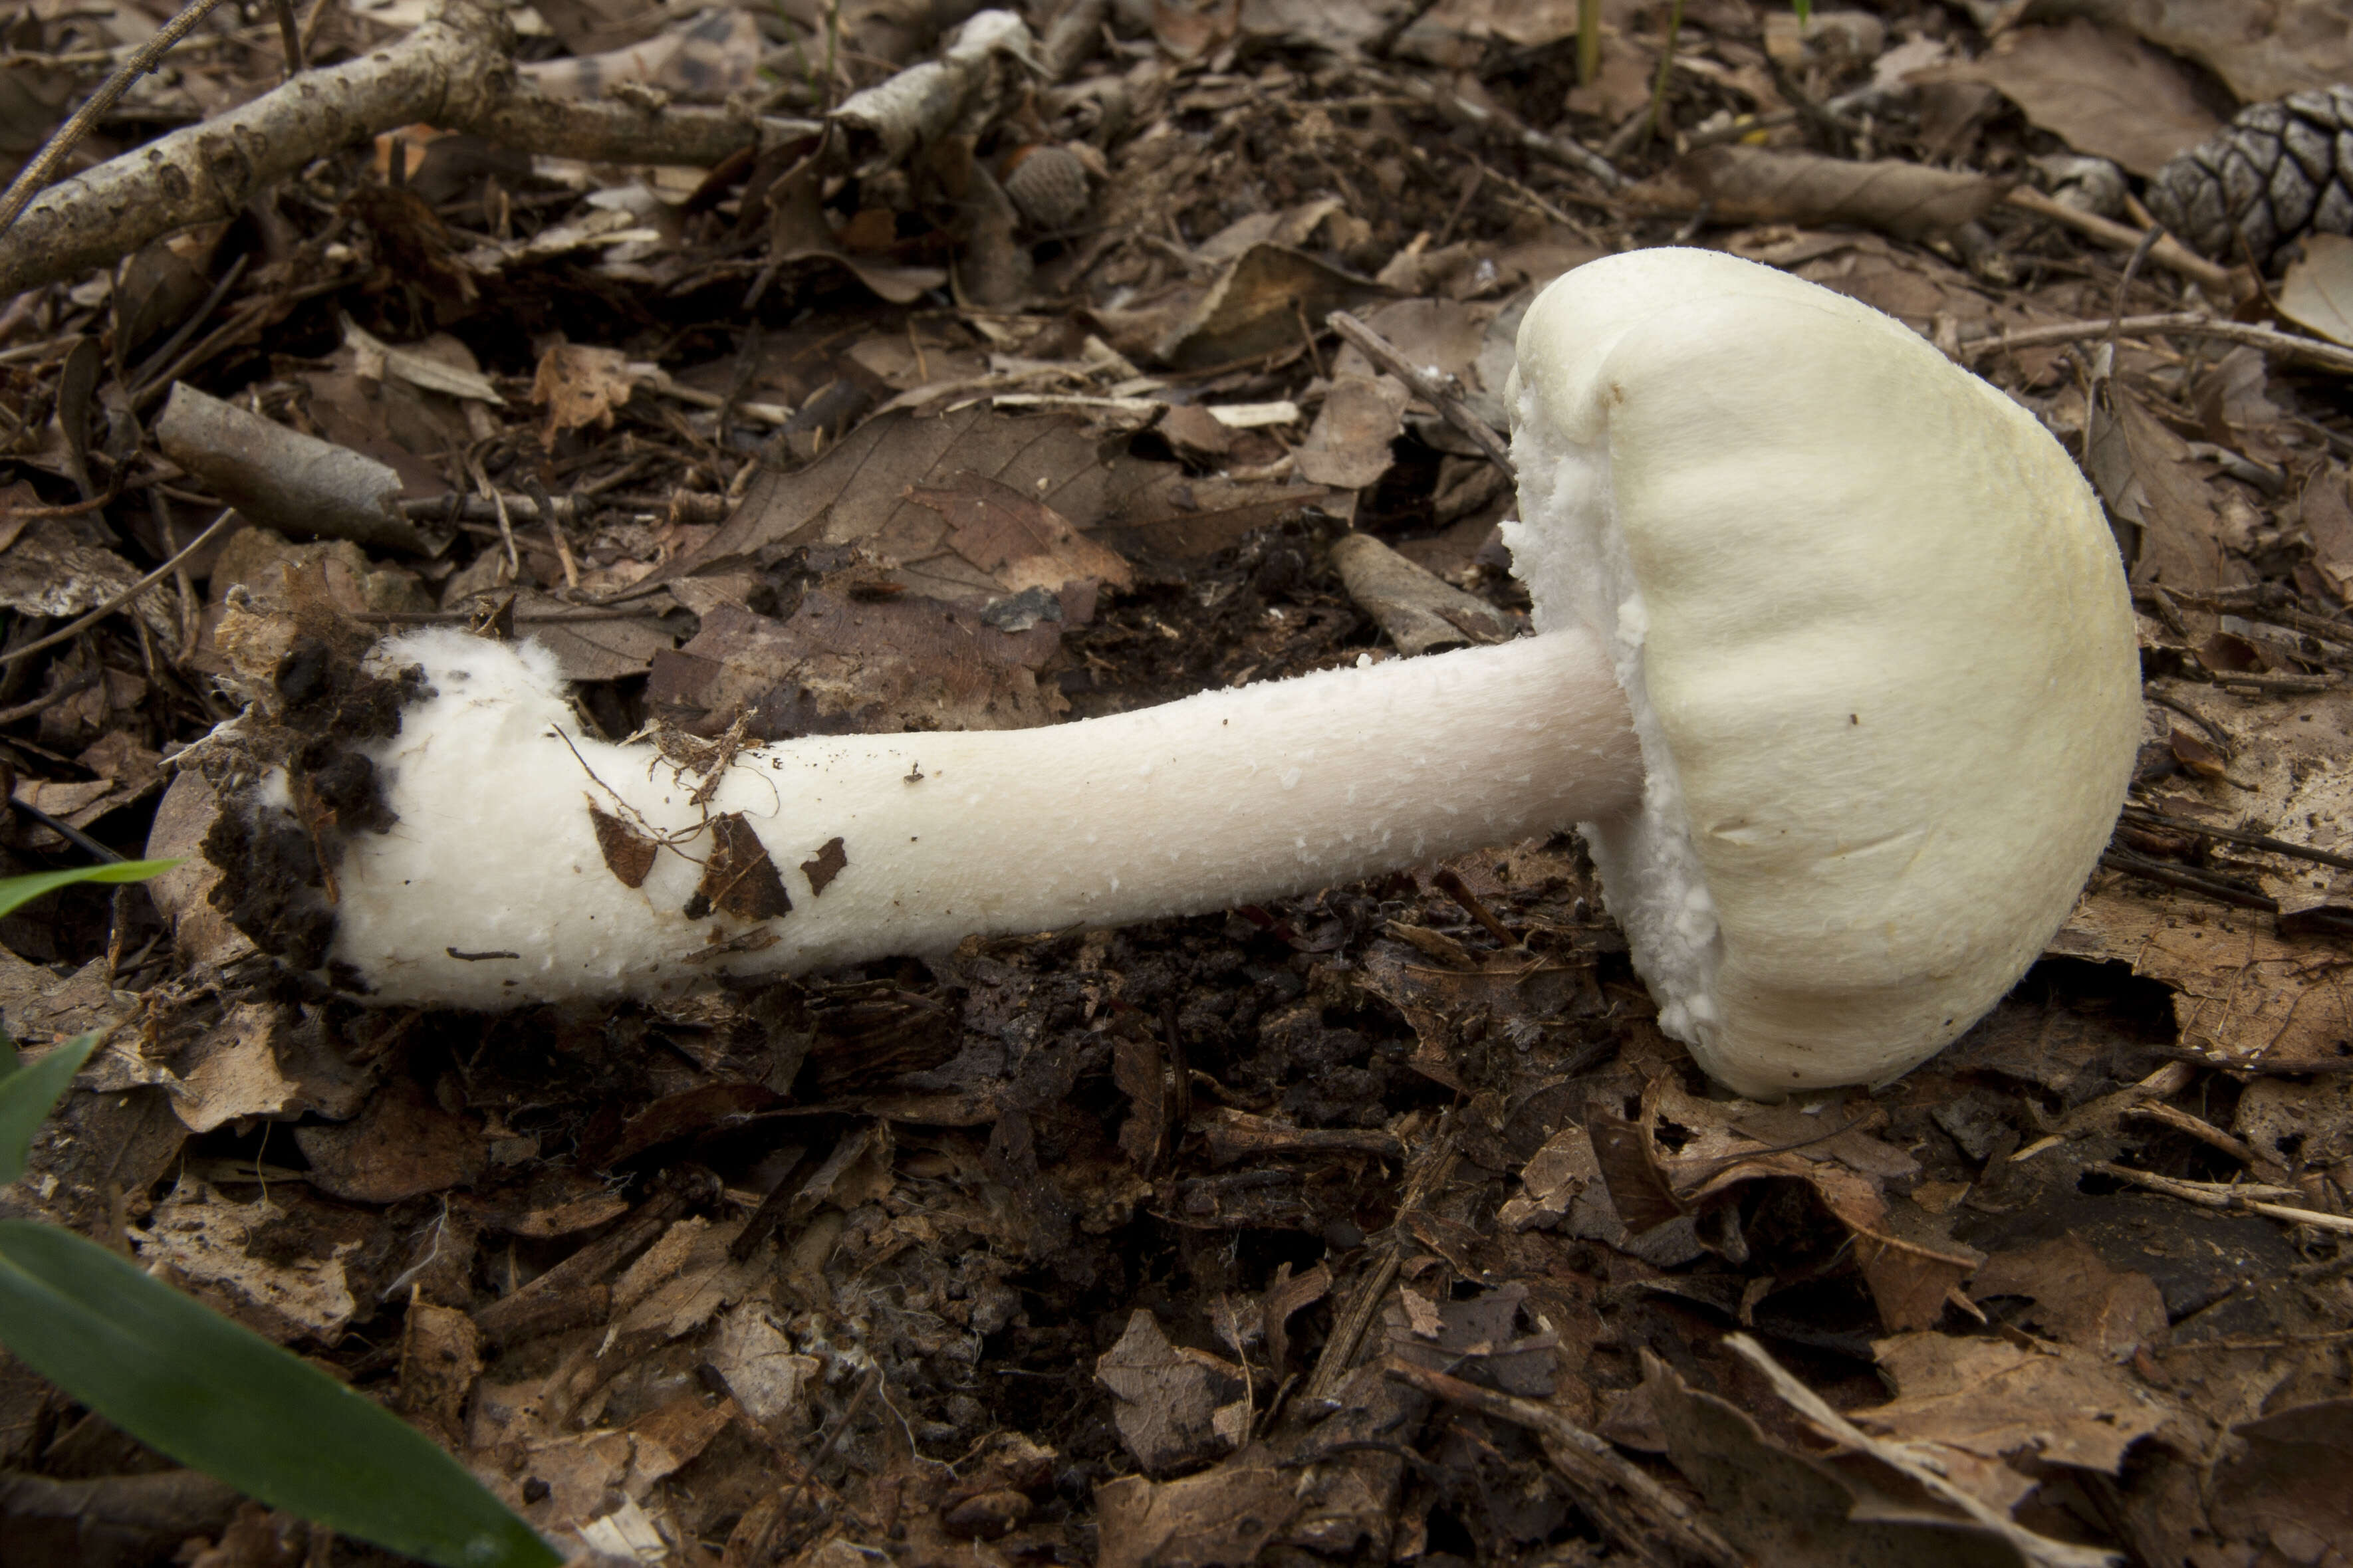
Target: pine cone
<point x="2276" y="173"/>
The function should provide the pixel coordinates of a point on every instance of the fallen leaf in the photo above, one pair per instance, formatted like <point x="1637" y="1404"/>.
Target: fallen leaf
<point x="580" y="386"/>
<point x="2079" y="1299"/>
<point x="402" y="1144"/>
<point x="1348" y="446"/>
<point x="842" y="666"/>
<point x="2285" y="1483"/>
<point x="2318" y="292"/>
<point x="1172" y="1402"/>
<point x="2262" y="52"/>
<point x="2099" y="89"/>
<point x="1016" y="538"/>
<point x="738" y="877"/>
<point x="2144" y="471"/>
<point x="1224" y="1515"/>
<point x="1995" y="1401"/>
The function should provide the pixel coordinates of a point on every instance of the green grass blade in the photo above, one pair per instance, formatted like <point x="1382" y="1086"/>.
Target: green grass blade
<point x="28" y="1093"/>
<point x="17" y="890"/>
<point x="190" y="1384"/>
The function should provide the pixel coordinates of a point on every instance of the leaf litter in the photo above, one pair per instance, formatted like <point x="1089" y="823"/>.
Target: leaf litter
<point x="992" y="386"/>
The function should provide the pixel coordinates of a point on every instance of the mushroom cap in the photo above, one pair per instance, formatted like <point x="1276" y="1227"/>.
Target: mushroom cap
<point x="1877" y="640"/>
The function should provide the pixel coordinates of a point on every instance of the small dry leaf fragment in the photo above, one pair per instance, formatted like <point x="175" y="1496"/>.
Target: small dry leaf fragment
<point x="580" y="385"/>
<point x="629" y="854"/>
<point x="738" y="877"/>
<point x="2196" y="755"/>
<point x="828" y="865"/>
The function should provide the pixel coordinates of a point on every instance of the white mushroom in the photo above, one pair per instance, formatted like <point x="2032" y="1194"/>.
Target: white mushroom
<point x="1834" y="663"/>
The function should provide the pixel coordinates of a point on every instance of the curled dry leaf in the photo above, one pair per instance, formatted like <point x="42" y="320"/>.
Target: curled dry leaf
<point x="1750" y="184"/>
<point x="580" y="386"/>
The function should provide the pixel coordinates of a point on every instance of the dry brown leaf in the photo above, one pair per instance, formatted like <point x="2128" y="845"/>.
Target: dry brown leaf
<point x="2243" y="991"/>
<point x="1176" y="1406"/>
<point x="1016" y="538"/>
<point x="580" y="386"/>
<point x="2079" y="1299"/>
<point x="400" y="1145"/>
<point x="1750" y="184"/>
<point x="1993" y="1400"/>
<point x="2284" y="1483"/>
<point x="1779" y="1506"/>
<point x="2100" y="91"/>
<point x="2318" y="292"/>
<point x="1225" y="1515"/>
<point x="2262" y="51"/>
<point x="1270" y="298"/>
<point x="2144" y="471"/>
<point x="842" y="666"/>
<point x="856" y="494"/>
<point x="1347" y="448"/>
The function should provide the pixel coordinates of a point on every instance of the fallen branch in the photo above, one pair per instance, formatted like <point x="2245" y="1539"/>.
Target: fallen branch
<point x="454" y="71"/>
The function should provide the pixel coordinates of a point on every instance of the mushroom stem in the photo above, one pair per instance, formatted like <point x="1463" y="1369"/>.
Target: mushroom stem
<point x="494" y="885"/>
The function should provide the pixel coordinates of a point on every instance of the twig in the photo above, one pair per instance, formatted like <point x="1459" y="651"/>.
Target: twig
<point x="1592" y="1461"/>
<point x="2181" y="324"/>
<point x="36" y="174"/>
<point x="1901" y="1456"/>
<point x="75" y="628"/>
<point x="2215" y="1196"/>
<point x="73" y="687"/>
<point x="2141" y="816"/>
<point x="2149" y="871"/>
<point x="455" y="71"/>
<point x="2166" y="252"/>
<point x="66" y="831"/>
<point x="1559" y="149"/>
<point x="1426" y="386"/>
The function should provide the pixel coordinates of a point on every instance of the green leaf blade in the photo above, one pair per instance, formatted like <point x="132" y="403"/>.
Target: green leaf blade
<point x="192" y="1384"/>
<point x="16" y="891"/>
<point x="27" y="1095"/>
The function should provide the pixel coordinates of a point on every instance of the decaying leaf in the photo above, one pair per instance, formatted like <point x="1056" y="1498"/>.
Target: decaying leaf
<point x="1017" y="539"/>
<point x="629" y="854"/>
<point x="2145" y="473"/>
<point x="738" y="877"/>
<point x="580" y="386"/>
<point x="830" y="860"/>
<point x="1176" y="1405"/>
<point x="2100" y="91"/>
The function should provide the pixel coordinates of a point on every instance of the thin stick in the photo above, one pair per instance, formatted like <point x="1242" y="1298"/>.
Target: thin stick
<point x="36" y="174"/>
<point x="1427" y="387"/>
<point x="76" y="628"/>
<point x="290" y="36"/>
<point x="2209" y="1195"/>
<point x="2166" y="252"/>
<point x="2184" y="323"/>
<point x="55" y="695"/>
<point x="1665" y="1511"/>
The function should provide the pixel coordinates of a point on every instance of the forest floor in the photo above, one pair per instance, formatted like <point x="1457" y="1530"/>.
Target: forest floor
<point x="1381" y="1225"/>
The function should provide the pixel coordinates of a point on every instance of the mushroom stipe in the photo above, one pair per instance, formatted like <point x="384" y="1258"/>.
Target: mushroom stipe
<point x="1835" y="669"/>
